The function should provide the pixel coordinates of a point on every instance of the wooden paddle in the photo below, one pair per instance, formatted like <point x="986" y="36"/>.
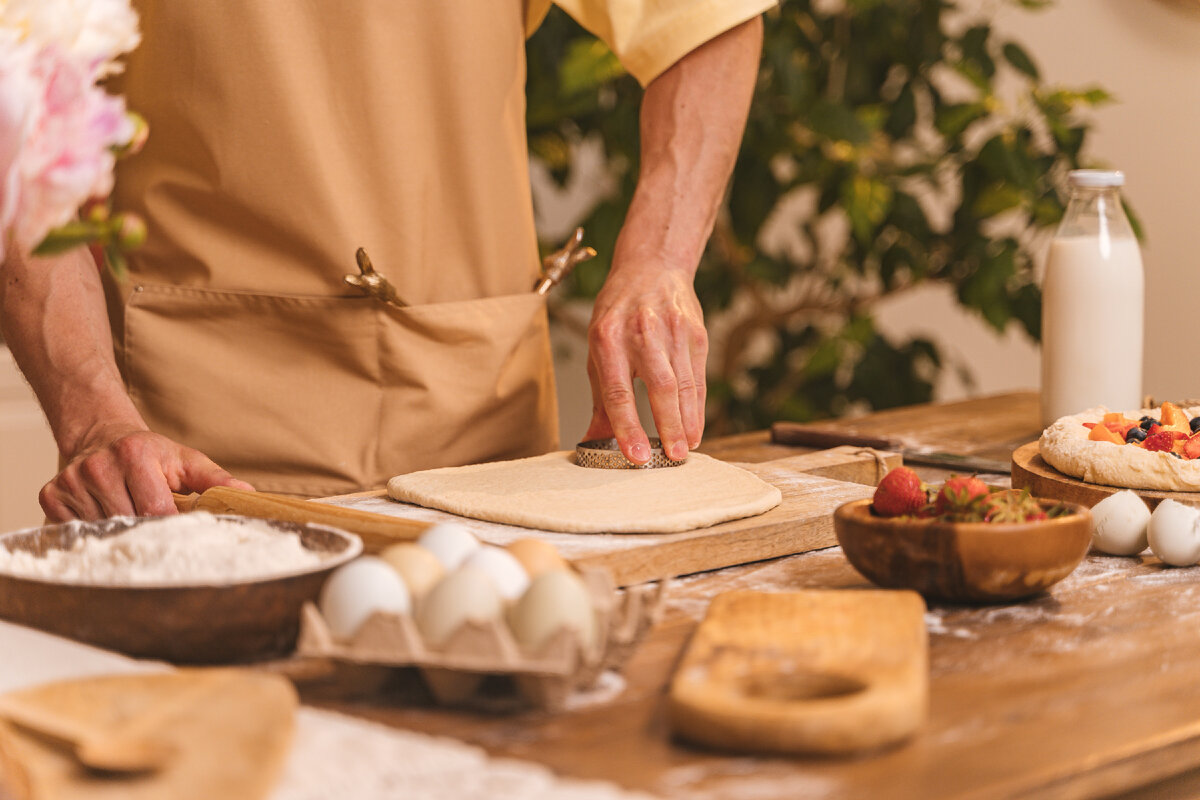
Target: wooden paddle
<point x="819" y="671"/>
<point x="229" y="731"/>
<point x="377" y="530"/>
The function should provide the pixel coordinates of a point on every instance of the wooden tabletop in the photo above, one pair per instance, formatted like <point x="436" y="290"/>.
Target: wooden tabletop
<point x="1087" y="691"/>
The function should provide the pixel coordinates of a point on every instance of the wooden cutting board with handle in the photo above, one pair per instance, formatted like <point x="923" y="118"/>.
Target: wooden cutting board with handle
<point x="825" y="672"/>
<point x="229" y="732"/>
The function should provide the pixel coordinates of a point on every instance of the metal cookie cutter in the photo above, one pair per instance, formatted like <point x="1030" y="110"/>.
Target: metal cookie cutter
<point x="604" y="454"/>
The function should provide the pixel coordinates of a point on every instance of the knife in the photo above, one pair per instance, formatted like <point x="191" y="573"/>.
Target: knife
<point x="795" y="433"/>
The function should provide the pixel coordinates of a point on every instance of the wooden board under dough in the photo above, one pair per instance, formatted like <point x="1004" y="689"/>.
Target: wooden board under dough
<point x="1030" y="471"/>
<point x="802" y="522"/>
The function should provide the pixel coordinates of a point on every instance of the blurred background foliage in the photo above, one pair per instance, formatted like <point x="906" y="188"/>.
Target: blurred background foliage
<point x="891" y="143"/>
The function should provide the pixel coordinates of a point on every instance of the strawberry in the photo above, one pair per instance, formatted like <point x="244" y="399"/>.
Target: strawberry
<point x="959" y="493"/>
<point x="1162" y="440"/>
<point x="900" y="492"/>
<point x="1012" y="506"/>
<point x="1192" y="448"/>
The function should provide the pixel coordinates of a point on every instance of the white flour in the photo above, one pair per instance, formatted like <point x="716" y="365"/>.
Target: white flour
<point x="188" y="549"/>
<point x="340" y="757"/>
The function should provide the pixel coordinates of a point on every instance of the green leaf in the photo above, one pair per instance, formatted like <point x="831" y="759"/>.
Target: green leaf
<point x="996" y="199"/>
<point x="1021" y="60"/>
<point x="838" y="122"/>
<point x="952" y="120"/>
<point x="588" y="65"/>
<point x="903" y="114"/>
<point x="67" y="237"/>
<point x="866" y="202"/>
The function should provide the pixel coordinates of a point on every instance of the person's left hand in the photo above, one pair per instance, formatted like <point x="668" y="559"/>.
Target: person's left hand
<point x="647" y="324"/>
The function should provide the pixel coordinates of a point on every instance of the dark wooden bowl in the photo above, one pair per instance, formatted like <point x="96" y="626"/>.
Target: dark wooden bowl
<point x="963" y="562"/>
<point x="195" y="624"/>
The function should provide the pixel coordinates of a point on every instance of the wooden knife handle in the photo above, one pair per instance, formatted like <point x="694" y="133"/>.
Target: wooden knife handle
<point x="799" y="434"/>
<point x="376" y="530"/>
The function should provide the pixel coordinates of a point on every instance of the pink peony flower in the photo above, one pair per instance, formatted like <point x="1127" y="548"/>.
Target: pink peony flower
<point x="65" y="156"/>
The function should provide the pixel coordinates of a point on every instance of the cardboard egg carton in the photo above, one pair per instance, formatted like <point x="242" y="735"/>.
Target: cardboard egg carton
<point x="455" y="671"/>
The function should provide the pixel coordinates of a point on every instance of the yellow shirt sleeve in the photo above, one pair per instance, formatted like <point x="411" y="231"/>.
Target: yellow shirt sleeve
<point x="648" y="36"/>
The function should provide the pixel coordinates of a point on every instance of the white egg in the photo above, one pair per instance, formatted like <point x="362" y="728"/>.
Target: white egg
<point x="357" y="590"/>
<point x="555" y="600"/>
<point x="451" y="543"/>
<point x="465" y="594"/>
<point x="1175" y="533"/>
<point x="419" y="568"/>
<point x="1119" y="524"/>
<point x="505" y="571"/>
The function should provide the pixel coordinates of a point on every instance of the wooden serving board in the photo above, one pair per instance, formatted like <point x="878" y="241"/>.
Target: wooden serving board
<point x="1030" y="471"/>
<point x="230" y="729"/>
<point x="814" y="672"/>
<point x="802" y="522"/>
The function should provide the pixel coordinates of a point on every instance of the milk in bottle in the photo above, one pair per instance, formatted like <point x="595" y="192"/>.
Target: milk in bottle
<point x="1092" y="304"/>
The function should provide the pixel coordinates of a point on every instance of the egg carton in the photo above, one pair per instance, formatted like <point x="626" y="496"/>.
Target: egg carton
<point x="455" y="671"/>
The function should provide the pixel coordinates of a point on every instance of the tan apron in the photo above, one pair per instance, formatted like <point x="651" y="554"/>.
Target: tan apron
<point x="284" y="135"/>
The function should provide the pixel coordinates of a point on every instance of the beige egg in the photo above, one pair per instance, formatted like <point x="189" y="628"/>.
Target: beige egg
<point x="555" y="600"/>
<point x="465" y="594"/>
<point x="536" y="556"/>
<point x="419" y="568"/>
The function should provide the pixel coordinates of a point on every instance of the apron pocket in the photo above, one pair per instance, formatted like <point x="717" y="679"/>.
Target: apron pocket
<point x="466" y="382"/>
<point x="282" y="391"/>
<point x="316" y="395"/>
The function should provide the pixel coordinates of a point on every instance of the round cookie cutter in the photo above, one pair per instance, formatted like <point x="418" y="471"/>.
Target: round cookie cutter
<point x="605" y="454"/>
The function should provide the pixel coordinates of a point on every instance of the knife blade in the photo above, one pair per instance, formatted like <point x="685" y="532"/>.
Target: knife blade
<point x="794" y="433"/>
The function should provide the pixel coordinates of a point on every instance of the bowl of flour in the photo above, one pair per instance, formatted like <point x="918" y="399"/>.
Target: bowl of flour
<point x="189" y="588"/>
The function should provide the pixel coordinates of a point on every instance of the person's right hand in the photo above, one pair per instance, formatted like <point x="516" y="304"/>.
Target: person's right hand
<point x="124" y="470"/>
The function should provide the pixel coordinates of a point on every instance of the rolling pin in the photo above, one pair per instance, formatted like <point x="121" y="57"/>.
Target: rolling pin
<point x="376" y="530"/>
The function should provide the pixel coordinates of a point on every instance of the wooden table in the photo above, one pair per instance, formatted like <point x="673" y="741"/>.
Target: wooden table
<point x="1088" y="691"/>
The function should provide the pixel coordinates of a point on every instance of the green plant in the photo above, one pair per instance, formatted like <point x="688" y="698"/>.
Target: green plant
<point x="886" y="142"/>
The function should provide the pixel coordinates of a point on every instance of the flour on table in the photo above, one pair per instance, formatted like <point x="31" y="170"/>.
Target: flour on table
<point x="340" y="757"/>
<point x="551" y="492"/>
<point x="184" y="549"/>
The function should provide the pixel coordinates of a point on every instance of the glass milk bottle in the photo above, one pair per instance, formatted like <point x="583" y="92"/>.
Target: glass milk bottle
<point x="1092" y="304"/>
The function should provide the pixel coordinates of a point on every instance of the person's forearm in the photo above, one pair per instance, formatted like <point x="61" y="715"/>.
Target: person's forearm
<point x="692" y="120"/>
<point x="53" y="317"/>
<point x="647" y="322"/>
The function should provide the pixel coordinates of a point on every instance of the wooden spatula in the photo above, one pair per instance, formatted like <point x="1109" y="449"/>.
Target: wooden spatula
<point x="821" y="672"/>
<point x="377" y="530"/>
<point x="94" y="747"/>
<point x="229" y="731"/>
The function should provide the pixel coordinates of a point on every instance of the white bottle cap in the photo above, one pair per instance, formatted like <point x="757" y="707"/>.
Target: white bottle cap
<point x="1096" y="178"/>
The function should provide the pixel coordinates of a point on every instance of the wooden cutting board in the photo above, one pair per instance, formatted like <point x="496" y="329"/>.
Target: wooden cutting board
<point x="231" y="731"/>
<point x="812" y="484"/>
<point x="1030" y="471"/>
<point x="817" y="672"/>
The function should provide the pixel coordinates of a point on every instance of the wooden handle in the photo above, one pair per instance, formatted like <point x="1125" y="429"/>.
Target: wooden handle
<point x="804" y="436"/>
<point x="376" y="530"/>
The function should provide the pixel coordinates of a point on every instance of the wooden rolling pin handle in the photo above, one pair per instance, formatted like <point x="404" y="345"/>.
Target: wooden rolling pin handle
<point x="376" y="530"/>
<point x="798" y="434"/>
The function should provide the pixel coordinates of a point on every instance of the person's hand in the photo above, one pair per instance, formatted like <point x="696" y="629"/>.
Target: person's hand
<point x="123" y="470"/>
<point x="647" y="324"/>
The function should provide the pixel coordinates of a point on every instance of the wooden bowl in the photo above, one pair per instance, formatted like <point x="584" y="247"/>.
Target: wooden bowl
<point x="197" y="623"/>
<point x="964" y="562"/>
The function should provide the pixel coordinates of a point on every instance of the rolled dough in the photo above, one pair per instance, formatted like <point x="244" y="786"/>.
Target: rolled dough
<point x="552" y="492"/>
